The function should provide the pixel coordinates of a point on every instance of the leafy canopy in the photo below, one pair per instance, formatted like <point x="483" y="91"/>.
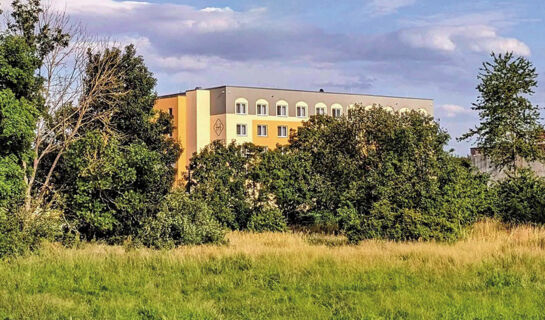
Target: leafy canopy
<point x="510" y="130"/>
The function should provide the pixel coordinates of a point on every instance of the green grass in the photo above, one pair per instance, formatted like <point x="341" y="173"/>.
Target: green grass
<point x="494" y="274"/>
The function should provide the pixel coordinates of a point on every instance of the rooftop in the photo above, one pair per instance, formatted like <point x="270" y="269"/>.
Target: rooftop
<point x="296" y="90"/>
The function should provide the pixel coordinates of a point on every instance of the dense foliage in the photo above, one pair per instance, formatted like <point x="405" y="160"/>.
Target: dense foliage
<point x="18" y="114"/>
<point x="221" y="176"/>
<point x="117" y="174"/>
<point x="181" y="220"/>
<point x="520" y="199"/>
<point x="386" y="175"/>
<point x="371" y="174"/>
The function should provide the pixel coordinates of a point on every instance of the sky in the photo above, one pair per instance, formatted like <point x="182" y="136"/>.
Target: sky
<point x="417" y="48"/>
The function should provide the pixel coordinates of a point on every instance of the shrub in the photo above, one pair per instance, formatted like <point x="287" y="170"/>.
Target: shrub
<point x="21" y="234"/>
<point x="520" y="198"/>
<point x="181" y="221"/>
<point x="386" y="175"/>
<point x="267" y="218"/>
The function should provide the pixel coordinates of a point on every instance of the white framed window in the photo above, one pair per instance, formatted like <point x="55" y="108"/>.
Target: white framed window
<point x="241" y="130"/>
<point x="282" y="131"/>
<point x="321" y="109"/>
<point x="336" y="110"/>
<point x="282" y="108"/>
<point x="241" y="106"/>
<point x="262" y="107"/>
<point x="301" y="111"/>
<point x="261" y="110"/>
<point x="261" y="130"/>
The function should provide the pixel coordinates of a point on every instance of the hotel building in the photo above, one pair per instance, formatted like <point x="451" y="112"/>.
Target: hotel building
<point x="263" y="116"/>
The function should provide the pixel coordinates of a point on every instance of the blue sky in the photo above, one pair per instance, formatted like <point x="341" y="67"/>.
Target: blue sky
<point x="421" y="48"/>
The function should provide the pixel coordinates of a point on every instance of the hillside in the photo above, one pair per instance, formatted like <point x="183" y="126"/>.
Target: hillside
<point x="493" y="273"/>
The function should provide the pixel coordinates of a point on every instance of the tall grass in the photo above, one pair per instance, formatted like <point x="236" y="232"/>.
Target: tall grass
<point x="494" y="273"/>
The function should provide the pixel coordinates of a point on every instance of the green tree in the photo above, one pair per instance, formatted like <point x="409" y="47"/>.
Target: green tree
<point x="386" y="175"/>
<point x="223" y="176"/>
<point x="509" y="131"/>
<point x="117" y="174"/>
<point x="18" y="113"/>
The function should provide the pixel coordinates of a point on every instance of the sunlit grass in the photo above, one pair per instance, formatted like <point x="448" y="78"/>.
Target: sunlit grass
<point x="496" y="272"/>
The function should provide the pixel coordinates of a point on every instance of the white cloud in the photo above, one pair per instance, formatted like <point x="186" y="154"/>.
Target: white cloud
<point x="453" y="110"/>
<point x="385" y="7"/>
<point x="476" y="38"/>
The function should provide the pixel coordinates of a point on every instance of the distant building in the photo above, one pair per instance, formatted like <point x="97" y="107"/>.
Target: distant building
<point x="263" y="116"/>
<point x="483" y="164"/>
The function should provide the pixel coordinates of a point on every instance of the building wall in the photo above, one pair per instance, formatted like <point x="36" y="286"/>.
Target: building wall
<point x="204" y="115"/>
<point x="313" y="98"/>
<point x="179" y="112"/>
<point x="483" y="164"/>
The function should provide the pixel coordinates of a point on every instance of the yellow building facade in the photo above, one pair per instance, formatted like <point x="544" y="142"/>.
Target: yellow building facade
<point x="263" y="116"/>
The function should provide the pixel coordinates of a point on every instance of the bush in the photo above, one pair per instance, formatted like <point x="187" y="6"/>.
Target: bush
<point x="520" y="198"/>
<point x="21" y="234"/>
<point x="267" y="218"/>
<point x="386" y="175"/>
<point x="181" y="221"/>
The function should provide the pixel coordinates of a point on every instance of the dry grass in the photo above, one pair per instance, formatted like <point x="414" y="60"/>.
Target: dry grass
<point x="486" y="240"/>
<point x="495" y="272"/>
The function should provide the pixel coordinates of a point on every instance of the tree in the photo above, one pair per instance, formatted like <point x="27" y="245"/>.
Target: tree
<point x="115" y="176"/>
<point x="58" y="50"/>
<point x="18" y="114"/>
<point x="224" y="177"/>
<point x="386" y="175"/>
<point x="509" y="131"/>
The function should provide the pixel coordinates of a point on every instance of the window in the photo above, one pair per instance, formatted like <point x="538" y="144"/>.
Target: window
<point x="241" y="130"/>
<point x="170" y="111"/>
<point x="262" y="107"/>
<point x="321" y="109"/>
<point x="336" y="110"/>
<point x="261" y="130"/>
<point x="301" y="111"/>
<point x="241" y="106"/>
<point x="282" y="131"/>
<point x="261" y="110"/>
<point x="281" y="110"/>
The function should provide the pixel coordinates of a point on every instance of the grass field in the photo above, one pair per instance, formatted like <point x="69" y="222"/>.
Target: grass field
<point x="494" y="274"/>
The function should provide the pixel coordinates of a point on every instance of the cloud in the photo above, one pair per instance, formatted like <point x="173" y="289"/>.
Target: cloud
<point x="385" y="7"/>
<point x="476" y="38"/>
<point x="188" y="46"/>
<point x="452" y="110"/>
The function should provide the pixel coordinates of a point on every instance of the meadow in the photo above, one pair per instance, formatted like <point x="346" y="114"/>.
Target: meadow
<point x="494" y="273"/>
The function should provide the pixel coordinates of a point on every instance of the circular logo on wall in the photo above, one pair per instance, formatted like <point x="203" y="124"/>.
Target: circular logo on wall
<point x="218" y="127"/>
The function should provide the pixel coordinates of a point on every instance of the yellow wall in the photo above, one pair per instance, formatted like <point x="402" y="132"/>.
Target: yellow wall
<point x="179" y="112"/>
<point x="272" y="139"/>
<point x="252" y="121"/>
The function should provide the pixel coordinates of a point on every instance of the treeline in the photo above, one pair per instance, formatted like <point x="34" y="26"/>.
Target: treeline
<point x="84" y="157"/>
